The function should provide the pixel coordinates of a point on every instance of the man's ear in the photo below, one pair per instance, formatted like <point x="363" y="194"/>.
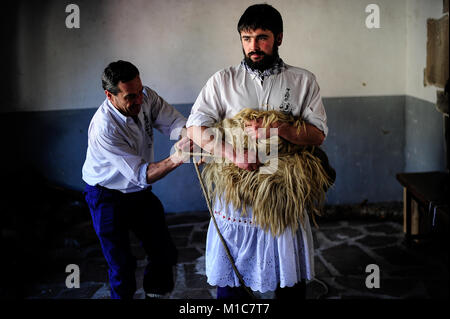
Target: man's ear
<point x="108" y="95"/>
<point x="279" y="38"/>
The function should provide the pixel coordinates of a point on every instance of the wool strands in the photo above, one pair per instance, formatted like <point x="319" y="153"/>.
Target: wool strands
<point x="278" y="200"/>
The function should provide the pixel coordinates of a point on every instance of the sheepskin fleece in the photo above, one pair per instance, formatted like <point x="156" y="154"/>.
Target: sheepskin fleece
<point x="279" y="199"/>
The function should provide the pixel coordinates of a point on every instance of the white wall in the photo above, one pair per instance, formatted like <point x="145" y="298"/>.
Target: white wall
<point x="179" y="44"/>
<point x="330" y="38"/>
<point x="418" y="11"/>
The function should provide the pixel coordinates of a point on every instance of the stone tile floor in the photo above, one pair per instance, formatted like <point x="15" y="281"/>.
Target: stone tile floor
<point x="343" y="249"/>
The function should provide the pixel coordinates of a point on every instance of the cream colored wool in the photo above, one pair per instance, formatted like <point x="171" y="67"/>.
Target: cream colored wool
<point x="281" y="199"/>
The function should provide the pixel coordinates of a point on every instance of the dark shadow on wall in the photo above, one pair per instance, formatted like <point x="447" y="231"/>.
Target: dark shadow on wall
<point x="9" y="17"/>
<point x="36" y="216"/>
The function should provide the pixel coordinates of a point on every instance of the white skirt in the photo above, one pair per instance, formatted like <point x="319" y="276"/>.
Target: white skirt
<point x="263" y="261"/>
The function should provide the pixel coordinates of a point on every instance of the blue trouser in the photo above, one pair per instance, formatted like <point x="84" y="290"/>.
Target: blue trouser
<point x="114" y="214"/>
<point x="297" y="292"/>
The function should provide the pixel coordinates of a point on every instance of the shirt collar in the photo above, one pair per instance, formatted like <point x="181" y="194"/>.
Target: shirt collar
<point x="125" y="119"/>
<point x="278" y="67"/>
<point x="115" y="111"/>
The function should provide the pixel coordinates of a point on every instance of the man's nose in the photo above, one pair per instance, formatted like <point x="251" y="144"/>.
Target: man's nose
<point x="254" y="46"/>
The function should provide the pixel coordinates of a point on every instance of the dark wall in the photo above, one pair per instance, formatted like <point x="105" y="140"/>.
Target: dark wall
<point x="365" y="144"/>
<point x="424" y="131"/>
<point x="370" y="140"/>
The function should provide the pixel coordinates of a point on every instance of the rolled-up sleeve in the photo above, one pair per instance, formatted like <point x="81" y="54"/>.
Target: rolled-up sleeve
<point x="121" y="156"/>
<point x="207" y="109"/>
<point x="314" y="111"/>
<point x="167" y="119"/>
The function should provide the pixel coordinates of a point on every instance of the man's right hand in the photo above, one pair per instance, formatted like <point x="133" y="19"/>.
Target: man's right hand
<point x="183" y="150"/>
<point x="247" y="160"/>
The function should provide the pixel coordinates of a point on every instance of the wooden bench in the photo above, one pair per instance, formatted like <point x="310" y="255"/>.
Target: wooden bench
<point x="426" y="198"/>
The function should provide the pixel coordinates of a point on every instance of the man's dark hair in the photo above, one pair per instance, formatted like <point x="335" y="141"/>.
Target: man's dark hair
<point x="261" y="16"/>
<point x="115" y="72"/>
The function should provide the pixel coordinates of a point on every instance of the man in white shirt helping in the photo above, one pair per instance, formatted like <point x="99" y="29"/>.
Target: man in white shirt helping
<point x="119" y="170"/>
<point x="262" y="81"/>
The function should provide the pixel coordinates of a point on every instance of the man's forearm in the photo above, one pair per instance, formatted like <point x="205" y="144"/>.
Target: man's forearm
<point x="309" y="134"/>
<point x="209" y="143"/>
<point x="158" y="170"/>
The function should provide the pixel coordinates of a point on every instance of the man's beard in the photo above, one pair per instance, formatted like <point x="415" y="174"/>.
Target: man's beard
<point x="265" y="63"/>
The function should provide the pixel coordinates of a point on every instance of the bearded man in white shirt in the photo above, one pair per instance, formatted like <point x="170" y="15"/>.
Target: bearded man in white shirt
<point x="262" y="81"/>
<point x="119" y="170"/>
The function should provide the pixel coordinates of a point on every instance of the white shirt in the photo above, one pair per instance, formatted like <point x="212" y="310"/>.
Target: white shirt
<point x="293" y="90"/>
<point x="119" y="149"/>
<point x="264" y="261"/>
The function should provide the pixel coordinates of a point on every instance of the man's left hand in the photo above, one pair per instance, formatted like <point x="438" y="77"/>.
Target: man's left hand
<point x="255" y="129"/>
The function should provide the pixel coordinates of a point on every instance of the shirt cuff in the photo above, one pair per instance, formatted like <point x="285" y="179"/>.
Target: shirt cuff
<point x="199" y="119"/>
<point x="315" y="120"/>
<point x="319" y="124"/>
<point x="143" y="175"/>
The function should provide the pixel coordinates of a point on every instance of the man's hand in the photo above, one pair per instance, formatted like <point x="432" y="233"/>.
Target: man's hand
<point x="183" y="149"/>
<point x="255" y="130"/>
<point x="310" y="135"/>
<point x="247" y="160"/>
